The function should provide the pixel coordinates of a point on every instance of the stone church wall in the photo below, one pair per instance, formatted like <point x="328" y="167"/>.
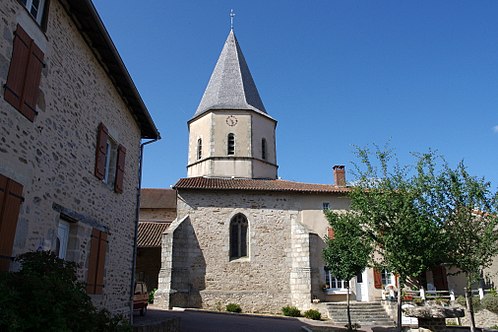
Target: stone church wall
<point x="275" y="273"/>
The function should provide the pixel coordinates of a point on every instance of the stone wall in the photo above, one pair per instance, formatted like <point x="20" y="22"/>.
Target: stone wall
<point x="259" y="282"/>
<point x="54" y="156"/>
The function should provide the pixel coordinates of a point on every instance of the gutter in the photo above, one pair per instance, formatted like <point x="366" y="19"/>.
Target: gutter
<point x="137" y="215"/>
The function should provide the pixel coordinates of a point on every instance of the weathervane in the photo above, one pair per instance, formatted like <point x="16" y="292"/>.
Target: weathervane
<point x="232" y="15"/>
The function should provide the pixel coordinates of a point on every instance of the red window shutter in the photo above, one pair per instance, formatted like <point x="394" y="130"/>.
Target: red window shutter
<point x="10" y="204"/>
<point x="32" y="82"/>
<point x="99" y="276"/>
<point x="96" y="261"/>
<point x="23" y="79"/>
<point x="330" y="233"/>
<point x="377" y="279"/>
<point x="100" y="153"/>
<point x="118" y="183"/>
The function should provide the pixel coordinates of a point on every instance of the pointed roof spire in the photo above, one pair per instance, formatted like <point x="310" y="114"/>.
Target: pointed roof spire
<point x="231" y="85"/>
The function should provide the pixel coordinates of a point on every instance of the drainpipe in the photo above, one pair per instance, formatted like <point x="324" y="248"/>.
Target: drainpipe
<point x="137" y="215"/>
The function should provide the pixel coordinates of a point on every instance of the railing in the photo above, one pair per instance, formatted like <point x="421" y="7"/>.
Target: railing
<point x="442" y="294"/>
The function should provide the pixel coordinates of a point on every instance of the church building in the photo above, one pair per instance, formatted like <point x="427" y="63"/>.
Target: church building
<point x="242" y="235"/>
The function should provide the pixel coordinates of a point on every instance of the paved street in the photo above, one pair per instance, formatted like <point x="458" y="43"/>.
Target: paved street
<point x="204" y="321"/>
<point x="201" y="321"/>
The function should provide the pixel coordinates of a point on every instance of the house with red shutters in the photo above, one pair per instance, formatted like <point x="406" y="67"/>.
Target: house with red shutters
<point x="71" y="123"/>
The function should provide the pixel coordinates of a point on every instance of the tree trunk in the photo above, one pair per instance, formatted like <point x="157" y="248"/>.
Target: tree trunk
<point x="399" y="315"/>
<point x="350" y="327"/>
<point x="470" y="307"/>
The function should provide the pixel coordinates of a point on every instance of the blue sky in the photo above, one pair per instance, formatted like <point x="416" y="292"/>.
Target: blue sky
<point x="335" y="74"/>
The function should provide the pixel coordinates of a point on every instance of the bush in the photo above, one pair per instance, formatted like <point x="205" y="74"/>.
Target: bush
<point x="353" y="327"/>
<point x="313" y="314"/>
<point x="476" y="302"/>
<point x="291" y="311"/>
<point x="490" y="302"/>
<point x="45" y="295"/>
<point x="233" y="307"/>
<point x="151" y="295"/>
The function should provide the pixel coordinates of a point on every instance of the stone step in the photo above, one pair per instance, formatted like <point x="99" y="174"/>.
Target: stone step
<point x="363" y="313"/>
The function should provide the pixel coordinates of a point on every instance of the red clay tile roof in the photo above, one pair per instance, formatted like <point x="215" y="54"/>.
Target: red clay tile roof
<point x="157" y="198"/>
<point x="149" y="234"/>
<point x="204" y="183"/>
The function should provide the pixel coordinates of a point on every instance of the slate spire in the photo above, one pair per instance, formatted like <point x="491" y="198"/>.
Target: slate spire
<point x="231" y="85"/>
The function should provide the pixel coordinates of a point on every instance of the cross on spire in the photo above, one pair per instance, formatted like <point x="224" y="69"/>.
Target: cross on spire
<point x="232" y="15"/>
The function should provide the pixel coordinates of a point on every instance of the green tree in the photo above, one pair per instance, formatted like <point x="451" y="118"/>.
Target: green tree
<point x="396" y="210"/>
<point x="470" y="224"/>
<point x="45" y="295"/>
<point x="348" y="253"/>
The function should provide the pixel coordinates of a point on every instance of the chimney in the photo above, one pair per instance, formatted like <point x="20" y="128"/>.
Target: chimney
<point x="339" y="175"/>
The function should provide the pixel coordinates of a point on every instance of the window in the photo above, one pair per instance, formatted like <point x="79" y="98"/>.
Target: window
<point x="62" y="239"/>
<point x="109" y="160"/>
<point x="325" y="206"/>
<point x="96" y="260"/>
<point x="382" y="278"/>
<point x="386" y="277"/>
<point x="231" y="144"/>
<point x="23" y="79"/>
<point x="10" y="204"/>
<point x="263" y="149"/>
<point x="238" y="236"/>
<point x="35" y="8"/>
<point x="199" y="148"/>
<point x="333" y="283"/>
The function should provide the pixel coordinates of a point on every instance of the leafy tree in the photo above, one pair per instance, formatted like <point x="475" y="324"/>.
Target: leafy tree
<point x="470" y="224"/>
<point x="347" y="254"/>
<point x="45" y="295"/>
<point x="396" y="211"/>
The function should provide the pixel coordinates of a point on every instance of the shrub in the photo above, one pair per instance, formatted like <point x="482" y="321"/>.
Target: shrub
<point x="313" y="314"/>
<point x="490" y="302"/>
<point x="151" y="295"/>
<point x="353" y="327"/>
<point x="291" y="311"/>
<point x="46" y="293"/>
<point x="233" y="307"/>
<point x="476" y="302"/>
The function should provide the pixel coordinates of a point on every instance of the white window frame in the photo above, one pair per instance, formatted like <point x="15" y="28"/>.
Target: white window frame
<point x="111" y="155"/>
<point x="387" y="278"/>
<point x="30" y="6"/>
<point x="331" y="280"/>
<point x="63" y="238"/>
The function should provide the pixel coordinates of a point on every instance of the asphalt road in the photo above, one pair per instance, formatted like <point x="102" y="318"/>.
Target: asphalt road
<point x="202" y="321"/>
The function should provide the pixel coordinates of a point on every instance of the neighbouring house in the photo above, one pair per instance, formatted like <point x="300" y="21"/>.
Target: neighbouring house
<point x="157" y="211"/>
<point x="70" y="150"/>
<point x="242" y="234"/>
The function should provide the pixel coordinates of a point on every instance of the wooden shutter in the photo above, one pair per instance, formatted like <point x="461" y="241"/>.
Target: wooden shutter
<point x="330" y="233"/>
<point x="100" y="152"/>
<point x="377" y="279"/>
<point x="120" y="166"/>
<point x="23" y="79"/>
<point x="95" y="276"/>
<point x="10" y="204"/>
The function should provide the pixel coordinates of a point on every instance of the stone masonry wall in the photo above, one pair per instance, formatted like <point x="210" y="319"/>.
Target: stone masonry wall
<point x="260" y="282"/>
<point x="54" y="156"/>
<point x="300" y="276"/>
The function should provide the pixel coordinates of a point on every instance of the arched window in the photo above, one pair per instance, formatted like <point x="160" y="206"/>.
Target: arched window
<point x="231" y="144"/>
<point x="263" y="149"/>
<point x="199" y="148"/>
<point x="238" y="236"/>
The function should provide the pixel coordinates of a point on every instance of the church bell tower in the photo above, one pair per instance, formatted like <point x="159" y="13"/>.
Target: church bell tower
<point x="231" y="135"/>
